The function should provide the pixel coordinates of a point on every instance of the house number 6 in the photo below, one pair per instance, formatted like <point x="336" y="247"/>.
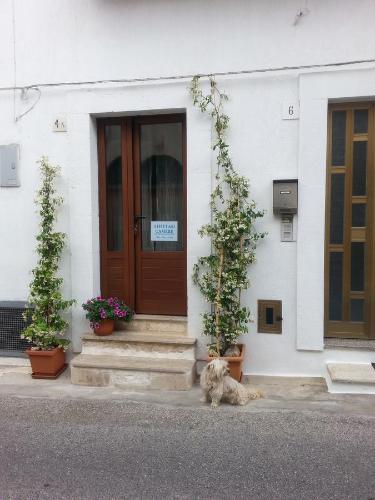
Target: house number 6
<point x="290" y="110"/>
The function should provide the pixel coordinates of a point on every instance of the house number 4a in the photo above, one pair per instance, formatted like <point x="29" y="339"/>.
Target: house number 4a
<point x="290" y="110"/>
<point x="59" y="124"/>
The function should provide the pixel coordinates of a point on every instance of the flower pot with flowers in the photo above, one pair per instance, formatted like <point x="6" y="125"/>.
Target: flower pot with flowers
<point x="102" y="313"/>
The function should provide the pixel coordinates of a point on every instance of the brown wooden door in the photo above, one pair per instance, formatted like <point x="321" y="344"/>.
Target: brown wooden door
<point x="350" y="231"/>
<point x="142" y="193"/>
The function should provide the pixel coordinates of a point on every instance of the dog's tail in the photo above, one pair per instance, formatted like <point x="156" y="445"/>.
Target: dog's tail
<point x="255" y="394"/>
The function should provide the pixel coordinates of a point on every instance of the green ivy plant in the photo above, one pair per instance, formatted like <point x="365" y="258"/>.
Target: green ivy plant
<point x="46" y="302"/>
<point x="222" y="275"/>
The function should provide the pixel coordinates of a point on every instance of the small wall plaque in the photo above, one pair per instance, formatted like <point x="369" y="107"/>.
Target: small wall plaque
<point x="59" y="124"/>
<point x="290" y="110"/>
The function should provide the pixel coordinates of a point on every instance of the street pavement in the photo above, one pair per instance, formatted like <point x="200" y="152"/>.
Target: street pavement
<point x="141" y="448"/>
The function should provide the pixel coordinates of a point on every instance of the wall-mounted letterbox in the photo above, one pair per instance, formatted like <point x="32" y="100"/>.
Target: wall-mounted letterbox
<point x="285" y="196"/>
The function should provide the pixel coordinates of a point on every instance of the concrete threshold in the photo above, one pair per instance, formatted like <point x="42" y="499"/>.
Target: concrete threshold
<point x="354" y="344"/>
<point x="285" y="381"/>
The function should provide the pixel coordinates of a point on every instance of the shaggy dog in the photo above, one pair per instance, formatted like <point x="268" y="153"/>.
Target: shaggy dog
<point x="218" y="386"/>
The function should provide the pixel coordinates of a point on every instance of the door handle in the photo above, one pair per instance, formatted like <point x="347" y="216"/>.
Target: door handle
<point x="137" y="217"/>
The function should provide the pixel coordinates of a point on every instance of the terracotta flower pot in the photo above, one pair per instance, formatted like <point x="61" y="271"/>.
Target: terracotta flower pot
<point x="234" y="363"/>
<point x="106" y="327"/>
<point x="47" y="364"/>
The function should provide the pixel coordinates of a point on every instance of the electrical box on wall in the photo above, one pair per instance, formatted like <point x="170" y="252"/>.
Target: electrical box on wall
<point x="9" y="163"/>
<point x="285" y="197"/>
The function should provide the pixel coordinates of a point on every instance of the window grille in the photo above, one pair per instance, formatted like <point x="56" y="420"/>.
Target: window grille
<point x="12" y="324"/>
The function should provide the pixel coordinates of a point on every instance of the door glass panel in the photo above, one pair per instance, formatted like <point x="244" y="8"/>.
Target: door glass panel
<point x="338" y="138"/>
<point x="360" y="121"/>
<point x="356" y="309"/>
<point x="337" y="208"/>
<point x="359" y="167"/>
<point x="162" y="187"/>
<point x="358" y="215"/>
<point x="335" y="286"/>
<point x="114" y="187"/>
<point x="357" y="267"/>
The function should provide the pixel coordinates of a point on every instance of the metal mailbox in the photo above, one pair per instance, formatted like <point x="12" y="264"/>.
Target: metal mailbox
<point x="285" y="196"/>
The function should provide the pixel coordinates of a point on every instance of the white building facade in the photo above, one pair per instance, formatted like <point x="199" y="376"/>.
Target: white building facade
<point x="83" y="62"/>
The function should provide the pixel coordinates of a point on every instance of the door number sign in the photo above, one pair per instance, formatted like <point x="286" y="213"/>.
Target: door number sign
<point x="290" y="110"/>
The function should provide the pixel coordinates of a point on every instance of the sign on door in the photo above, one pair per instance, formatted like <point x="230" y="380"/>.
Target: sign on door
<point x="164" y="230"/>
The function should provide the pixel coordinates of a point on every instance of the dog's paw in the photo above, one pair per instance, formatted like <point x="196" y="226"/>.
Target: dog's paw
<point x="214" y="404"/>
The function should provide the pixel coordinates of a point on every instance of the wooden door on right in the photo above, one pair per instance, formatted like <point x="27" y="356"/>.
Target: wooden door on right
<point x="350" y="244"/>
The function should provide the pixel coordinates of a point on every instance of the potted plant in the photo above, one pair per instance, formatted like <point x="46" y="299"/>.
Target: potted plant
<point x="47" y="326"/>
<point x="102" y="313"/>
<point x="222" y="275"/>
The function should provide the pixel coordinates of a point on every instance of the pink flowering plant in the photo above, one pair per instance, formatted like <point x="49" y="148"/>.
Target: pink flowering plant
<point x="99" y="308"/>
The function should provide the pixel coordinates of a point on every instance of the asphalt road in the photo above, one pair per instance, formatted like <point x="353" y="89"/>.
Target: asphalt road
<point x="81" y="449"/>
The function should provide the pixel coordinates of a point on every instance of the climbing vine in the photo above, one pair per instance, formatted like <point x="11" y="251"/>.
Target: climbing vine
<point x="222" y="275"/>
<point x="47" y="325"/>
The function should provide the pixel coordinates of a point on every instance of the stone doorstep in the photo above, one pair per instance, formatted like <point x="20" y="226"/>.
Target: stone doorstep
<point x="150" y="323"/>
<point x="140" y="345"/>
<point x="162" y="318"/>
<point x="352" y="373"/>
<point x="125" y="379"/>
<point x="133" y="364"/>
<point x="130" y="336"/>
<point x="130" y="372"/>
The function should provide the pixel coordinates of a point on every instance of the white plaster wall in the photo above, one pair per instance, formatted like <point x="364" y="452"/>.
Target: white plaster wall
<point x="68" y="40"/>
<point x="95" y="39"/>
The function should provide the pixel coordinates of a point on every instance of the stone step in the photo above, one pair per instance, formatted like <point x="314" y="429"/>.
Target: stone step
<point x="14" y="365"/>
<point x="140" y="344"/>
<point x="132" y="372"/>
<point x="351" y="378"/>
<point x="173" y="325"/>
<point x="352" y="373"/>
<point x="14" y="361"/>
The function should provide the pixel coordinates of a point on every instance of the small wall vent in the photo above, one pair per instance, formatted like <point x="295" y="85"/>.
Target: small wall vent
<point x="12" y="324"/>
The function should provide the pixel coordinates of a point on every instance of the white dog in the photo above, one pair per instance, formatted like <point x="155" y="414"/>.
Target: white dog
<point x="218" y="386"/>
